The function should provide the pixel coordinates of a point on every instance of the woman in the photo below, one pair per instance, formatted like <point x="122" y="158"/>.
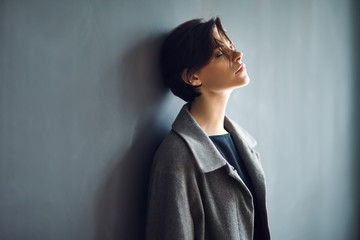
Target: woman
<point x="206" y="180"/>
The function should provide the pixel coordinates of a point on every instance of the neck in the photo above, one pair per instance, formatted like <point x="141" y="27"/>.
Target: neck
<point x="209" y="112"/>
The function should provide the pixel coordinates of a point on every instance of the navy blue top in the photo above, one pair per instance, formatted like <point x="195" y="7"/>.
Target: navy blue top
<point x="225" y="144"/>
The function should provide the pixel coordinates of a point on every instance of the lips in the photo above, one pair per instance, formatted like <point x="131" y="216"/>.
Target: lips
<point x="241" y="68"/>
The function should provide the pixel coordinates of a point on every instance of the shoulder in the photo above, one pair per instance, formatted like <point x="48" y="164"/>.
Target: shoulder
<point x="173" y="156"/>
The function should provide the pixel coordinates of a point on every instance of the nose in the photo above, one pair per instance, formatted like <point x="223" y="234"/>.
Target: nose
<point x="238" y="56"/>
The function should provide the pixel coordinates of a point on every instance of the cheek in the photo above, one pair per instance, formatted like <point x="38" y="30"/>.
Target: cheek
<point x="216" y="76"/>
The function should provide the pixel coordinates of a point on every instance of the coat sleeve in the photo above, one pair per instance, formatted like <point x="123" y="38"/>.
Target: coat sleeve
<point x="174" y="210"/>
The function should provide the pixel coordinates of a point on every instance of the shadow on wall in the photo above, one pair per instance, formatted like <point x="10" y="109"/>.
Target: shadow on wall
<point x="120" y="204"/>
<point x="355" y="7"/>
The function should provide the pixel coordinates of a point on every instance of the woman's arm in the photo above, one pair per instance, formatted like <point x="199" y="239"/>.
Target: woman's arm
<point x="169" y="212"/>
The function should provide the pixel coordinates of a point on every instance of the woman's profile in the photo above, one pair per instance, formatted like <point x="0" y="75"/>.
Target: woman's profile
<point x="206" y="180"/>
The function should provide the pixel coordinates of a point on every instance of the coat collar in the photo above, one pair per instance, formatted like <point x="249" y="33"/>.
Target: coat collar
<point x="205" y="152"/>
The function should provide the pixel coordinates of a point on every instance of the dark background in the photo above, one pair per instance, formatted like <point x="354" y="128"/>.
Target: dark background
<point x="82" y="110"/>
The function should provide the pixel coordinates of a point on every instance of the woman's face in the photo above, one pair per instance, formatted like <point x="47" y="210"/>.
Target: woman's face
<point x="223" y="72"/>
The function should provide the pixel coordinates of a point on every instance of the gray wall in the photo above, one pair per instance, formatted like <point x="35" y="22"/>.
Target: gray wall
<point x="83" y="110"/>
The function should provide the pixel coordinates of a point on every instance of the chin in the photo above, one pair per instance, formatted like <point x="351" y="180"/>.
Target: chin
<point x="243" y="83"/>
<point x="247" y="81"/>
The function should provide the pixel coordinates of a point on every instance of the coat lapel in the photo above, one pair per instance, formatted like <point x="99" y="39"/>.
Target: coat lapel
<point x="208" y="157"/>
<point x="244" y="143"/>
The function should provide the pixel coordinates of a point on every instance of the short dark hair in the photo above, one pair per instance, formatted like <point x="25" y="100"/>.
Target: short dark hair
<point x="191" y="46"/>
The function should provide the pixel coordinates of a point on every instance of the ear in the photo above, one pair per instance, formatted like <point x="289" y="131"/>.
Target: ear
<point x="191" y="79"/>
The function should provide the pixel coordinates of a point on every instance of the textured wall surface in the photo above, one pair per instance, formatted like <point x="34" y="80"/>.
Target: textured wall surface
<point x="82" y="110"/>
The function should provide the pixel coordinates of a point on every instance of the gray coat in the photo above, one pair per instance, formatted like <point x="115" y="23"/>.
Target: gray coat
<point x="194" y="193"/>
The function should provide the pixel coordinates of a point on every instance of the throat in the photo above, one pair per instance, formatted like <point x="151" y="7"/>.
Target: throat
<point x="209" y="117"/>
<point x="215" y="131"/>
